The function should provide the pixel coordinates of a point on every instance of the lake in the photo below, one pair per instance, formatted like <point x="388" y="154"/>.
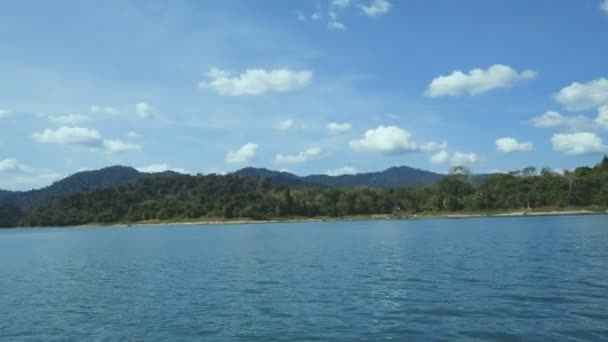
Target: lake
<point x="499" y="279"/>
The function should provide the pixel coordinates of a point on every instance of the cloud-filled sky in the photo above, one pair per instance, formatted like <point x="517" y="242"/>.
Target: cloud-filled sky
<point x="308" y="86"/>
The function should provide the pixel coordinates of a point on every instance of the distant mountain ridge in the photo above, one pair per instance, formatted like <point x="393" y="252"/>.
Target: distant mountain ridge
<point x="393" y="177"/>
<point x="120" y="175"/>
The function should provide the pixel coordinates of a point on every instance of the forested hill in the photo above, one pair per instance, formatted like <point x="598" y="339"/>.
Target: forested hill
<point x="120" y="175"/>
<point x="187" y="197"/>
<point x="80" y="181"/>
<point x="391" y="178"/>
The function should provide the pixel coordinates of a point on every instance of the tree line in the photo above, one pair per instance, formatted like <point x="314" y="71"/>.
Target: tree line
<point x="187" y="197"/>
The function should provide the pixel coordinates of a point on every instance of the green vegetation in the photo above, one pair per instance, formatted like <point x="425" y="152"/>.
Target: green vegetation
<point x="174" y="197"/>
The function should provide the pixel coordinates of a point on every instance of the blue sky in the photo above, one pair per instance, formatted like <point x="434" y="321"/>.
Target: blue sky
<point x="307" y="86"/>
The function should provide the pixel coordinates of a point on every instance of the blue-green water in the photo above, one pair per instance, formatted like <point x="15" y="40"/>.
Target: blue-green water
<point x="471" y="279"/>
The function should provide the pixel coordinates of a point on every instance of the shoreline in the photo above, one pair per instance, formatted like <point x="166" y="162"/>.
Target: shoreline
<point x="513" y="214"/>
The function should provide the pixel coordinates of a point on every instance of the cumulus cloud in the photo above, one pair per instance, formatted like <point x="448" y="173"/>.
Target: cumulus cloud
<point x="15" y="175"/>
<point x="104" y="110"/>
<point x="508" y="145"/>
<point x="338" y="127"/>
<point x="440" y="157"/>
<point x="345" y="170"/>
<point x="583" y="96"/>
<point x="83" y="137"/>
<point x="157" y="168"/>
<point x="336" y="25"/>
<point x="375" y="8"/>
<point x="256" y="81"/>
<point x="462" y="159"/>
<point x="385" y="139"/>
<point x="553" y="119"/>
<point x="433" y="146"/>
<point x="70" y="136"/>
<point x="144" y="110"/>
<point x="602" y="116"/>
<point x="578" y="143"/>
<point x="119" y="146"/>
<point x="132" y="134"/>
<point x="455" y="159"/>
<point x="604" y="6"/>
<point x="4" y="113"/>
<point x="341" y="3"/>
<point x="300" y="157"/>
<point x="68" y="119"/>
<point x="549" y="119"/>
<point x="285" y="125"/>
<point x="243" y="155"/>
<point x="10" y="165"/>
<point x="477" y="81"/>
<point x="316" y="16"/>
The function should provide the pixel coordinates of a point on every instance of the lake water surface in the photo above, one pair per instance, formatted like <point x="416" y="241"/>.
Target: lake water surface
<point x="505" y="279"/>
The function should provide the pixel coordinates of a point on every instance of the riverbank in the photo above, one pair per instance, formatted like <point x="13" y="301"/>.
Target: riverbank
<point x="422" y="216"/>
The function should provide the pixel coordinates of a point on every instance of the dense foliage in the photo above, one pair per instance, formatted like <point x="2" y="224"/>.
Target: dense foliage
<point x="174" y="197"/>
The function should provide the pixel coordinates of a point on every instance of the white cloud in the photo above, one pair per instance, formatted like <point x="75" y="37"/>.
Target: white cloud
<point x="582" y="96"/>
<point x="604" y="6"/>
<point x="477" y="81"/>
<point x="316" y="16"/>
<point x="256" y="81"/>
<point x="578" y="143"/>
<point x="553" y="119"/>
<point x="602" y="116"/>
<point x="301" y="17"/>
<point x="157" y="168"/>
<point x="301" y="157"/>
<point x="385" y="139"/>
<point x="119" y="146"/>
<point x="548" y="120"/>
<point x="10" y="165"/>
<point x="341" y="3"/>
<point x="285" y="125"/>
<point x="346" y="170"/>
<point x="4" y="113"/>
<point x="18" y="176"/>
<point x="83" y="137"/>
<point x="375" y="8"/>
<point x="461" y="158"/>
<point x="104" y="110"/>
<point x="440" y="157"/>
<point x="132" y="134"/>
<point x="144" y="110"/>
<point x="336" y="25"/>
<point x="338" y="127"/>
<point x="70" y="136"/>
<point x="508" y="145"/>
<point x="68" y="119"/>
<point x="433" y="146"/>
<point x="243" y="155"/>
<point x="455" y="159"/>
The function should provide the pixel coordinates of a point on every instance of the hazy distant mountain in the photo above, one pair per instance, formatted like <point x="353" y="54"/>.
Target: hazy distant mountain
<point x="277" y="177"/>
<point x="390" y="178"/>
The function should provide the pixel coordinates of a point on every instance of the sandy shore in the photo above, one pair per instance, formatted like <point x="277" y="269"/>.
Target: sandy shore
<point x="359" y="218"/>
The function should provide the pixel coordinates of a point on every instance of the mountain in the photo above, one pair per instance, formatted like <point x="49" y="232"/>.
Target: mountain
<point x="277" y="177"/>
<point x="78" y="182"/>
<point x="390" y="178"/>
<point x="121" y="175"/>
